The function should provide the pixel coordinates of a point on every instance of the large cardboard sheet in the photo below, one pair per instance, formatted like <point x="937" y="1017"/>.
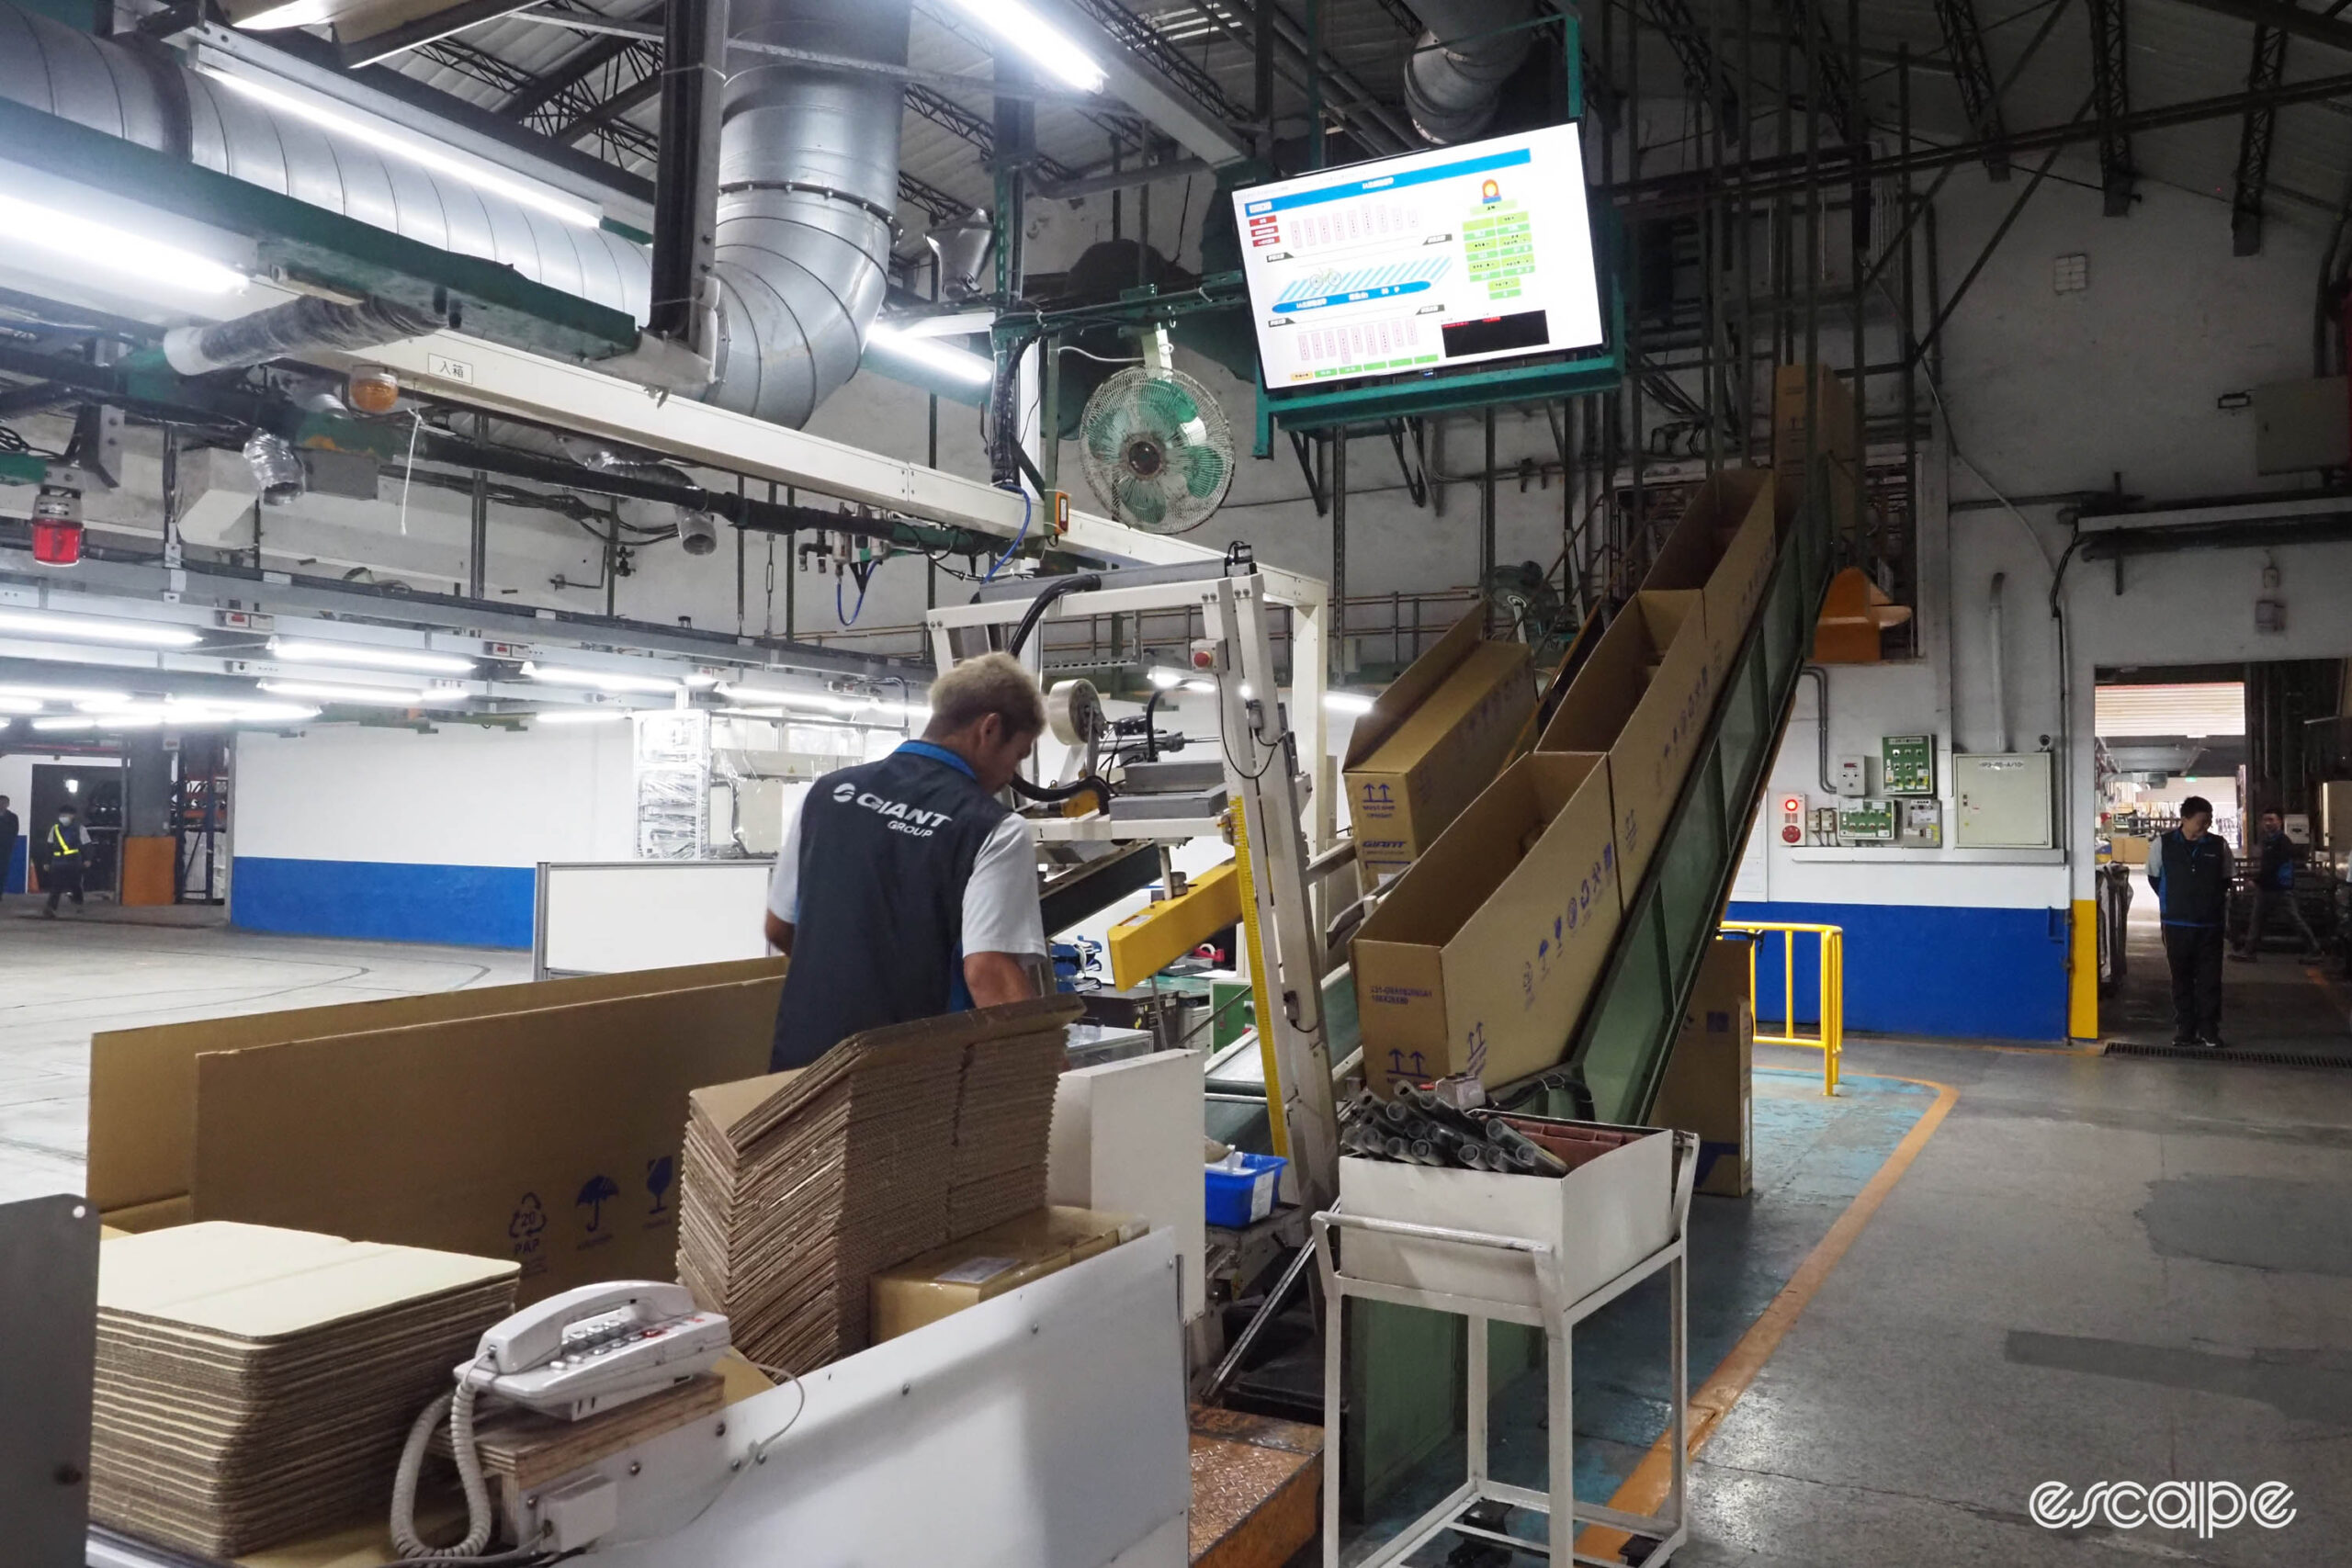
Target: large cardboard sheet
<point x="551" y="1137"/>
<point x="143" y="1081"/>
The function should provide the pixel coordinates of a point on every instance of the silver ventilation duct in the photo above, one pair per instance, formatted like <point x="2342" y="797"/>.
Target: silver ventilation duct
<point x="809" y="179"/>
<point x="131" y="94"/>
<point x="1452" y="91"/>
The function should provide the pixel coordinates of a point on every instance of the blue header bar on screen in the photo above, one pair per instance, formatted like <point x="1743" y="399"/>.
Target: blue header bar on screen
<point x="1391" y="181"/>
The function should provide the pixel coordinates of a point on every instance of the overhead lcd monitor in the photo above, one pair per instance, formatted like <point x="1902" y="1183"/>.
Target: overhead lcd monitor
<point x="1458" y="255"/>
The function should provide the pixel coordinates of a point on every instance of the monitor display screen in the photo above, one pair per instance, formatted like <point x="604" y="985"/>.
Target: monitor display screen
<point x="1452" y="257"/>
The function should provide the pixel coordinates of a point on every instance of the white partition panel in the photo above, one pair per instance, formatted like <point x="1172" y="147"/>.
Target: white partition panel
<point x="1043" y="1429"/>
<point x="606" y="917"/>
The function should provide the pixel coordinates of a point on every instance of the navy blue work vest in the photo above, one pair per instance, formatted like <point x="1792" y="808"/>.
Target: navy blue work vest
<point x="2191" y="878"/>
<point x="885" y="851"/>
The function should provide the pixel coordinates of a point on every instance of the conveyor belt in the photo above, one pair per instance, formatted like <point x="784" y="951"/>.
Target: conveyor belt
<point x="1619" y="1056"/>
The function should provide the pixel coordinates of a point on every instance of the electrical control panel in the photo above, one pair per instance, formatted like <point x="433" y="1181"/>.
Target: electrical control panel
<point x="1853" y="776"/>
<point x="1822" y="821"/>
<point x="1792" y="810"/>
<point x="1866" y="822"/>
<point x="1906" y="764"/>
<point x="1920" y="824"/>
<point x="2002" y="800"/>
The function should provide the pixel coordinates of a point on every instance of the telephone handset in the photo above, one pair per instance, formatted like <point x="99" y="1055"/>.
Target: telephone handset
<point x="596" y="1346"/>
<point x="573" y="1355"/>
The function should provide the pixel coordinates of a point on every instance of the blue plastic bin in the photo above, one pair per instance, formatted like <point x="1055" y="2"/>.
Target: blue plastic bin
<point x="1240" y="1198"/>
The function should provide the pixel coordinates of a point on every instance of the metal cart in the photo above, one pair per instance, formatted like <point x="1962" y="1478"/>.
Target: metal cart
<point x="1557" y="1317"/>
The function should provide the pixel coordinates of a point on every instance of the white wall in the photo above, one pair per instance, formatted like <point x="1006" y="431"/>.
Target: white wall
<point x="460" y="795"/>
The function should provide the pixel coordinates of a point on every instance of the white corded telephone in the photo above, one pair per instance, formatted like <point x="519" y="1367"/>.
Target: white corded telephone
<point x="574" y="1355"/>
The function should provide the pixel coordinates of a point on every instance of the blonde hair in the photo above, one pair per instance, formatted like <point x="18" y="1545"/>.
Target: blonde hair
<point x="992" y="684"/>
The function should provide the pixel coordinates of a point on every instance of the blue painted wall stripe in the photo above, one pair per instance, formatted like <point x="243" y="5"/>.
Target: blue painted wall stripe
<point x="1957" y="973"/>
<point x="12" y="865"/>
<point x="460" y="906"/>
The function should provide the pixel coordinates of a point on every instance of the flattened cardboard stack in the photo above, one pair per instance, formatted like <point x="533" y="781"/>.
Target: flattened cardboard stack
<point x="254" y="1385"/>
<point x="800" y="1186"/>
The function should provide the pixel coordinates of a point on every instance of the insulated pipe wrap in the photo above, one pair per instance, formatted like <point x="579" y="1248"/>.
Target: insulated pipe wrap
<point x="1452" y="91"/>
<point x="299" y="329"/>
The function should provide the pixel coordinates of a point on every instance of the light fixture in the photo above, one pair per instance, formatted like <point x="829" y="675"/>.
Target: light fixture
<point x="1353" y="703"/>
<point x="600" y="679"/>
<point x="566" y="210"/>
<point x="958" y="364"/>
<point x="20" y="705"/>
<point x="93" y="629"/>
<point x="52" y="725"/>
<point x="84" y="243"/>
<point x="367" y="696"/>
<point x="1200" y="685"/>
<point x="579" y="715"/>
<point x="85" y="694"/>
<point x="807" y="702"/>
<point x="955" y="323"/>
<point x="295" y="651"/>
<point x="1166" y="677"/>
<point x="1037" y="38"/>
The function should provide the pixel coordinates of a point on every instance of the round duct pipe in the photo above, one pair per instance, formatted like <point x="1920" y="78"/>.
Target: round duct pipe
<point x="1453" y="79"/>
<point x="809" y="181"/>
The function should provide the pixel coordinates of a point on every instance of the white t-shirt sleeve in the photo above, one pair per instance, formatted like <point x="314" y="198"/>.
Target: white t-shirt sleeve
<point x="1001" y="908"/>
<point x="784" y="887"/>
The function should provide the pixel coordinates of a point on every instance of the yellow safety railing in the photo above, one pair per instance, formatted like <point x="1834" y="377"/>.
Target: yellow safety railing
<point x="1831" y="1040"/>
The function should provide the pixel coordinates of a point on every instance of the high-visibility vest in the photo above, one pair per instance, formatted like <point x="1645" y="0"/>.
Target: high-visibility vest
<point x="57" y="833"/>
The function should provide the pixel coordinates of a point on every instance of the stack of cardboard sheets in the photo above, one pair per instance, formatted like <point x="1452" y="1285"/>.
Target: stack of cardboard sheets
<point x="255" y="1384"/>
<point x="800" y="1186"/>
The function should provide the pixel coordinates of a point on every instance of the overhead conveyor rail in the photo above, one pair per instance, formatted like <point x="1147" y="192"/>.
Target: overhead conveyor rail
<point x="1619" y="1056"/>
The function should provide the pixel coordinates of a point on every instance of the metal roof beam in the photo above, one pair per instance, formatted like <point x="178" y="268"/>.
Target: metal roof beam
<point x="1971" y="68"/>
<point x="2318" y="28"/>
<point x="2254" y="137"/>
<point x="2112" y="95"/>
<point x="1703" y="77"/>
<point x="1151" y="76"/>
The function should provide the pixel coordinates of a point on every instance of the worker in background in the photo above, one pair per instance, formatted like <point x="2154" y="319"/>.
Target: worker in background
<point x="2274" y="888"/>
<point x="2189" y="869"/>
<point x="9" y="829"/>
<point x="904" y="888"/>
<point x="64" y="851"/>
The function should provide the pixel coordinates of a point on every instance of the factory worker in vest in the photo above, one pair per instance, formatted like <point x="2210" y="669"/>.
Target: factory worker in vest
<point x="905" y="890"/>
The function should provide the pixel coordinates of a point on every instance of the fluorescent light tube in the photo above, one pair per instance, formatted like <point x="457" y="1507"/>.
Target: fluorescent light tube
<point x="67" y="694"/>
<point x="376" y="139"/>
<point x="1037" y="38"/>
<point x="1165" y="678"/>
<point x="327" y="692"/>
<point x="1349" y="702"/>
<point x="20" y="705"/>
<point x="959" y="364"/>
<point x="601" y="680"/>
<point x="102" y="246"/>
<point x="93" y="629"/>
<point x="807" y="702"/>
<point x="957" y="323"/>
<point x="579" y="715"/>
<point x="1200" y="685"/>
<point x="50" y="725"/>
<point x="294" y="650"/>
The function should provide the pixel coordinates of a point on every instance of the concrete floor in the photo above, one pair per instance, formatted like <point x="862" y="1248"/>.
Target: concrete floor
<point x="2094" y="1270"/>
<point x="2281" y="1001"/>
<point x="63" y="980"/>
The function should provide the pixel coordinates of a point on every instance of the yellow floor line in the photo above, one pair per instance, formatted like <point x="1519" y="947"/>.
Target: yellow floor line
<point x="1644" y="1491"/>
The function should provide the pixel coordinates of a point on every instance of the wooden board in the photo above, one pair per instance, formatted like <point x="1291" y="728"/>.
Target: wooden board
<point x="1257" y="1484"/>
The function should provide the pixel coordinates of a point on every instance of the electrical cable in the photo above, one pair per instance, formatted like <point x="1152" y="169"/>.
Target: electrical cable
<point x="458" y="1406"/>
<point x="1225" y="742"/>
<point x="415" y="428"/>
<point x="1100" y="358"/>
<point x="1081" y="582"/>
<point x="1027" y="508"/>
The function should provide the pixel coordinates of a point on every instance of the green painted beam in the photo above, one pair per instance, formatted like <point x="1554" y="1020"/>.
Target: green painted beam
<point x="310" y="245"/>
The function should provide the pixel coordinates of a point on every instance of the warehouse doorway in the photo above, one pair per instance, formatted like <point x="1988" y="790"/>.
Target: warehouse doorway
<point x="2251" y="739"/>
<point x="95" y="790"/>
